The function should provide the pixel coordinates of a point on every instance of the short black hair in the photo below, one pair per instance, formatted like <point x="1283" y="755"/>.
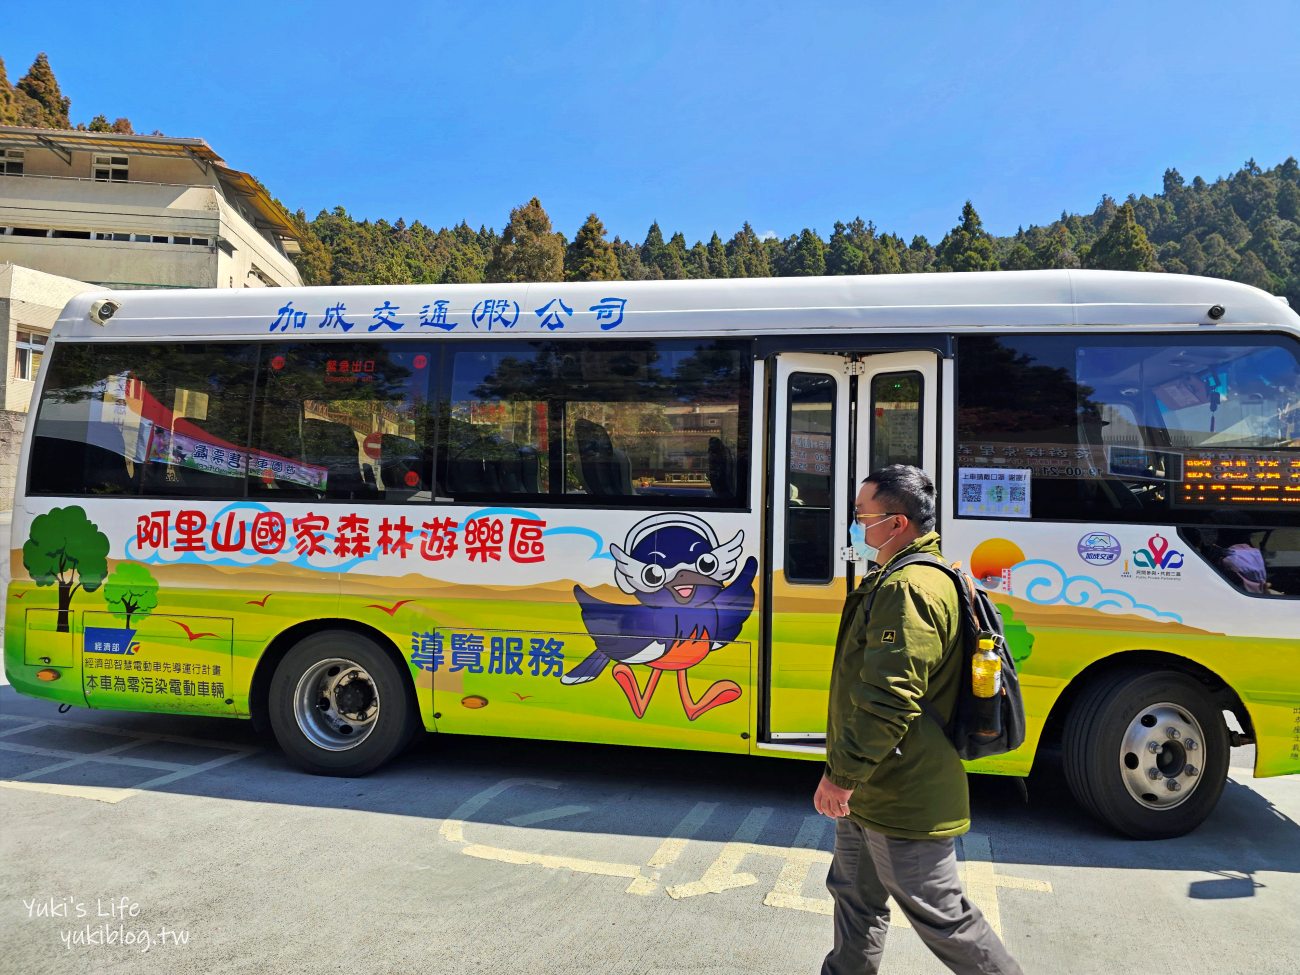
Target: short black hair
<point x="907" y="490"/>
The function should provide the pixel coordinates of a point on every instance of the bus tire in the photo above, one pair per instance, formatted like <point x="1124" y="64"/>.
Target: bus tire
<point x="1146" y="752"/>
<point x="338" y="704"/>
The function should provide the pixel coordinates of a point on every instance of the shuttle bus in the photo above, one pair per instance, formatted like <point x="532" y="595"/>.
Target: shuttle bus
<point x="353" y="513"/>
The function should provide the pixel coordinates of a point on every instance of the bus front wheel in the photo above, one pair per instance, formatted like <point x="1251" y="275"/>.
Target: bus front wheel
<point x="338" y="705"/>
<point x="1146" y="752"/>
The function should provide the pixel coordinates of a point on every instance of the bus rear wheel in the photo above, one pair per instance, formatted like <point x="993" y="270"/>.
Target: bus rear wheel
<point x="338" y="705"/>
<point x="1146" y="752"/>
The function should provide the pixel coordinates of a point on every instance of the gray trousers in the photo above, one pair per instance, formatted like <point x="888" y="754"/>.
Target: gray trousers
<point x="921" y="875"/>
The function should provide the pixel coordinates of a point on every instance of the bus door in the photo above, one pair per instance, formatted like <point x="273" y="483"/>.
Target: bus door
<point x="835" y="418"/>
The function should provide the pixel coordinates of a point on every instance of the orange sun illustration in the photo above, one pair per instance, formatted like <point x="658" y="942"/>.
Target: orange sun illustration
<point x="991" y="557"/>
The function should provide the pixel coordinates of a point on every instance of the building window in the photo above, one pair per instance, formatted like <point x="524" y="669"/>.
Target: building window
<point x="110" y="169"/>
<point x="28" y="352"/>
<point x="11" y="162"/>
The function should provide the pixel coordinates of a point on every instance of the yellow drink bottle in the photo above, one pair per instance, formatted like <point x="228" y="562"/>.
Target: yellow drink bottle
<point x="986" y="684"/>
<point x="986" y="670"/>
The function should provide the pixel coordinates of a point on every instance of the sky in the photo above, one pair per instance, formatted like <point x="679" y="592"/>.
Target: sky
<point x="700" y="115"/>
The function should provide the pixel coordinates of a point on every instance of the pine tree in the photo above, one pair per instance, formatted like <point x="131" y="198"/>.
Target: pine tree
<point x="653" y="247"/>
<point x="315" y="263"/>
<point x="528" y="249"/>
<point x="8" y="110"/>
<point x="1251" y="270"/>
<point x="968" y="246"/>
<point x="847" y="251"/>
<point x="697" y="261"/>
<point x="746" y="255"/>
<point x="1220" y="259"/>
<point x="1124" y="246"/>
<point x="889" y="255"/>
<point x="1192" y="254"/>
<point x="918" y="258"/>
<point x="1288" y="202"/>
<point x="717" y="257"/>
<point x="674" y="266"/>
<point x="630" y="265"/>
<point x="1104" y="214"/>
<point x="1019" y="258"/>
<point x="591" y="257"/>
<point x="806" y="257"/>
<point x="392" y="269"/>
<point x="40" y="85"/>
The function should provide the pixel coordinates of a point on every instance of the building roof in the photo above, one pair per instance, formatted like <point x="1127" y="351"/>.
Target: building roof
<point x="268" y="214"/>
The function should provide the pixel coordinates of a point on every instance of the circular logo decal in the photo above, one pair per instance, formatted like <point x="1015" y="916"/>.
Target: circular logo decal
<point x="1099" y="548"/>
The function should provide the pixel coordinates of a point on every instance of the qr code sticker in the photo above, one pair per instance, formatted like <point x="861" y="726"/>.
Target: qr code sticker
<point x="970" y="493"/>
<point x="1017" y="493"/>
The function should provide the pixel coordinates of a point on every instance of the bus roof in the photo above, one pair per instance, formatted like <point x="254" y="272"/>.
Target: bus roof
<point x="893" y="302"/>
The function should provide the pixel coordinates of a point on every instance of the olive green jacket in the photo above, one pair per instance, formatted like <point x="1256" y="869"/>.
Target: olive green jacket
<point x="906" y="778"/>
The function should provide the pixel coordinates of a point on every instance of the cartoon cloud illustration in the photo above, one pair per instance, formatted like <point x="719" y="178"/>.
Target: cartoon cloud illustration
<point x="678" y="571"/>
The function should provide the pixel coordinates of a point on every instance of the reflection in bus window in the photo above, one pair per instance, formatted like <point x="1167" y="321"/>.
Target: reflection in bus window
<point x="161" y="421"/>
<point x="625" y="422"/>
<point x="342" y="421"/>
<point x="895" y="419"/>
<point x="809" y="510"/>
<point x="1150" y="429"/>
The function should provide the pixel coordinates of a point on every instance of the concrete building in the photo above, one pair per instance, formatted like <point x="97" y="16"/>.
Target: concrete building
<point x="138" y="211"/>
<point x="30" y="301"/>
<point x="106" y="210"/>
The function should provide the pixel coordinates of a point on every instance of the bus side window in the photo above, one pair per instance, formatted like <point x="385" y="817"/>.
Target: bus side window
<point x="343" y="421"/>
<point x="809" y="505"/>
<point x="631" y="423"/>
<point x="1256" y="561"/>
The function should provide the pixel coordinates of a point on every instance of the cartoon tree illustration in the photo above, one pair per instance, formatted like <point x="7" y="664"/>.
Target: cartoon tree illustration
<point x="67" y="548"/>
<point x="131" y="591"/>
<point x="1019" y="638"/>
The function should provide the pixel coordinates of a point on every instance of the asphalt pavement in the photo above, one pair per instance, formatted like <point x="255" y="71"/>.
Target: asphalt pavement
<point x="195" y="841"/>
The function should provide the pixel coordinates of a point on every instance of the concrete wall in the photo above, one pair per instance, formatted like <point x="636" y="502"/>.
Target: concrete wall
<point x="151" y="169"/>
<point x="11" y="440"/>
<point x="162" y="196"/>
<point x="247" y="249"/>
<point x="31" y="301"/>
<point x="84" y="206"/>
<point x="116" y="264"/>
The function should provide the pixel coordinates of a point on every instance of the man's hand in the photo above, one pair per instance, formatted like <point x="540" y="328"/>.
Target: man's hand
<point x="830" y="800"/>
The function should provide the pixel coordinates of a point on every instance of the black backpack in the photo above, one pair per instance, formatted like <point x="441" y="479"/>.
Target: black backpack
<point x="980" y="727"/>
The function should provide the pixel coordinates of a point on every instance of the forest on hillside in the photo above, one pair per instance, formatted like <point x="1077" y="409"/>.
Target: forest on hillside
<point x="1245" y="227"/>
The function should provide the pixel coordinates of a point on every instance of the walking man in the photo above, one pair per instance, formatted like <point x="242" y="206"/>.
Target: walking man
<point x="893" y="782"/>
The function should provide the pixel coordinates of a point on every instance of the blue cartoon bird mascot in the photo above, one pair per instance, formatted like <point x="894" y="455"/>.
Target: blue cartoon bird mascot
<point x="677" y="570"/>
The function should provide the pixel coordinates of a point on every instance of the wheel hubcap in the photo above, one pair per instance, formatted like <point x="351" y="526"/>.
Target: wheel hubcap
<point x="336" y="704"/>
<point x="1160" y="755"/>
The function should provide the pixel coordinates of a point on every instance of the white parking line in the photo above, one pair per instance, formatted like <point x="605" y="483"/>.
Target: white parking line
<point x="112" y="755"/>
<point x="546" y="815"/>
<point x="981" y="880"/>
<point x="721" y="874"/>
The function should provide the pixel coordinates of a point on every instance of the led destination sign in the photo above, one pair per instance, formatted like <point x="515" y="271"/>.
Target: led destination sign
<point x="1239" y="477"/>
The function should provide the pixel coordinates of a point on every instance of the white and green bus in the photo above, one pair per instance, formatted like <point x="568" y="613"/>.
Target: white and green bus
<point x="503" y="509"/>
